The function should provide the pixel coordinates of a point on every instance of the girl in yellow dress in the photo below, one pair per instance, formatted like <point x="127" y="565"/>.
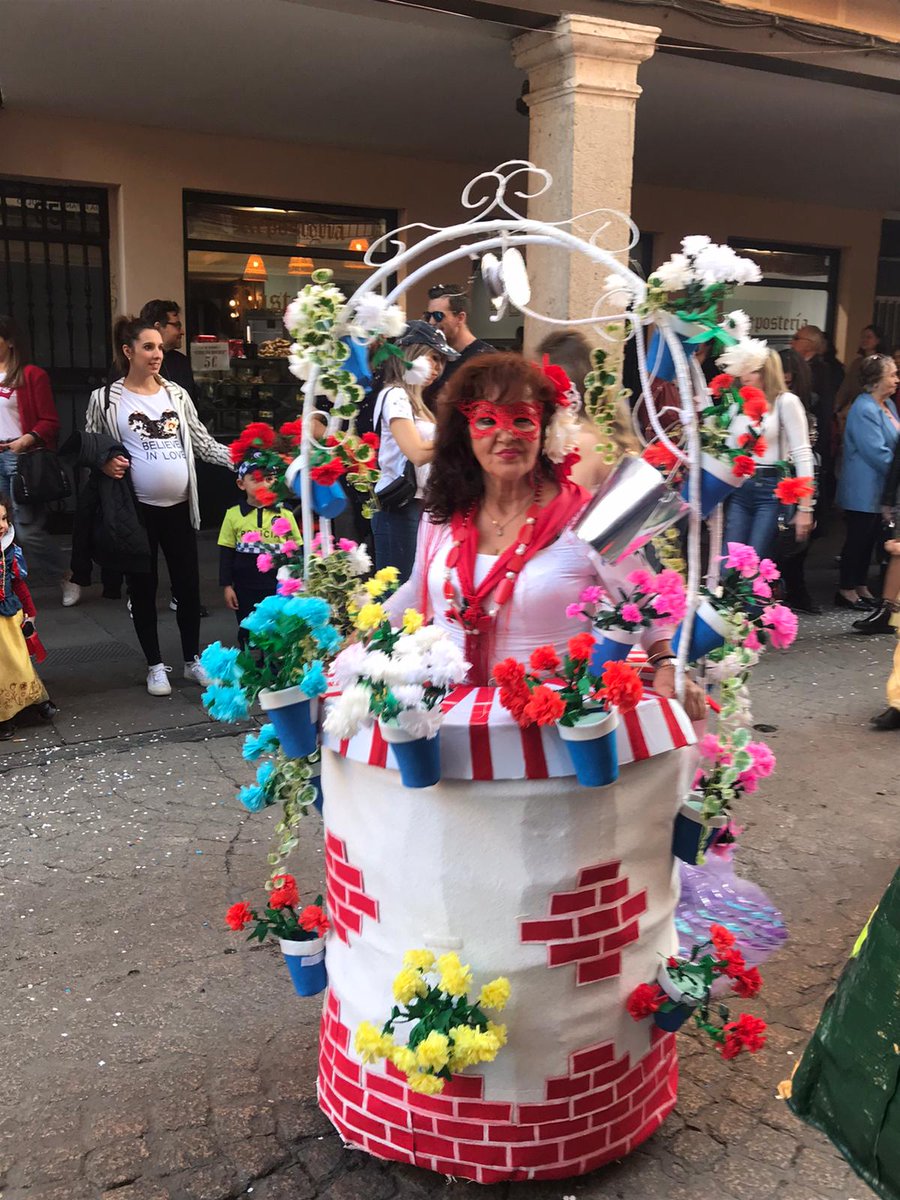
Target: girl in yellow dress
<point x="20" y="686"/>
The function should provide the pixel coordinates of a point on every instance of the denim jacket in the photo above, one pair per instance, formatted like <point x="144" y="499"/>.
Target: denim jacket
<point x="870" y="438"/>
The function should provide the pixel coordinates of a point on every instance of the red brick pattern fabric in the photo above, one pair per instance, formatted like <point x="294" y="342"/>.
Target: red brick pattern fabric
<point x="348" y="903"/>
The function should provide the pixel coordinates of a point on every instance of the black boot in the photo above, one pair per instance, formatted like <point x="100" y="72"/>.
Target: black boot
<point x="878" y="621"/>
<point x="889" y="719"/>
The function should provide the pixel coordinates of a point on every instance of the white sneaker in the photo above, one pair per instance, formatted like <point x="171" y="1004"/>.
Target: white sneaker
<point x="71" y="593"/>
<point x="194" y="673"/>
<point x="173" y="604"/>
<point x="157" y="683"/>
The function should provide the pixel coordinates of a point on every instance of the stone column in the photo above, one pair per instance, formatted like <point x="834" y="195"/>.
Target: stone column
<point x="582" y="77"/>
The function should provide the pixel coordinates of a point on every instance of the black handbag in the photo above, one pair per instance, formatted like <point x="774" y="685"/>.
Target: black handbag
<point x="399" y="491"/>
<point x="40" y="478"/>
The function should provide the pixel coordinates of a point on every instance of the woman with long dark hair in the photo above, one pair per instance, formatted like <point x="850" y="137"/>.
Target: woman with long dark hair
<point x="157" y="425"/>
<point x="28" y="421"/>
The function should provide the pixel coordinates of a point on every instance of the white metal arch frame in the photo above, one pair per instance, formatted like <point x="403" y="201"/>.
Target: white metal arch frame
<point x="478" y="235"/>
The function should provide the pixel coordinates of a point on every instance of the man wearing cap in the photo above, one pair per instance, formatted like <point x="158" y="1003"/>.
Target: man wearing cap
<point x="448" y="310"/>
<point x="406" y="426"/>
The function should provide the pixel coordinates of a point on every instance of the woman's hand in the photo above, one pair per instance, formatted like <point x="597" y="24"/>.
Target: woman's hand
<point x="694" y="695"/>
<point x="20" y="445"/>
<point x="803" y="525"/>
<point x="116" y="467"/>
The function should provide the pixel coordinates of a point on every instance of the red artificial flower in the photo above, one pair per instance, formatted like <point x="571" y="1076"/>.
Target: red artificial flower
<point x="328" y="473"/>
<point x="719" y="383"/>
<point x="753" y="444"/>
<point x="560" y="381"/>
<point x="721" y="938"/>
<point x="731" y="1047"/>
<point x="658" y="455"/>
<point x="239" y="915"/>
<point x="544" y="658"/>
<point x="544" y="707"/>
<point x="753" y="403"/>
<point x="515" y="700"/>
<point x="371" y="439"/>
<point x="748" y="984"/>
<point x="734" y="963"/>
<point x="284" y="894"/>
<point x="313" y="920"/>
<point x="292" y="430"/>
<point x="645" y="1000"/>
<point x="581" y="647"/>
<point x="509" y="673"/>
<point x="792" y="491"/>
<point x="750" y="1031"/>
<point x="621" y="686"/>
<point x="265" y="496"/>
<point x="743" y="466"/>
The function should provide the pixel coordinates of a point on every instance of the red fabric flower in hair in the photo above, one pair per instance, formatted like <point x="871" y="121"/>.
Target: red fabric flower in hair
<point x="743" y="466"/>
<point x="544" y="658"/>
<point x="239" y="915"/>
<point x="560" y="381"/>
<point x="313" y="920"/>
<point x="719" y="383"/>
<point x="645" y="1000"/>
<point x="581" y="647"/>
<point x="792" y="491"/>
<point x="544" y="707"/>
<point x="285" y="894"/>
<point x="753" y="403"/>
<point x="621" y="686"/>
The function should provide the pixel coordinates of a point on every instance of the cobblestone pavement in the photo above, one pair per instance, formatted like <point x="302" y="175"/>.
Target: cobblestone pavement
<point x="149" y="1054"/>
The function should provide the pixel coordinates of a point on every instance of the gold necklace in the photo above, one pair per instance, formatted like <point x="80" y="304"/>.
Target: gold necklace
<point x="500" y="527"/>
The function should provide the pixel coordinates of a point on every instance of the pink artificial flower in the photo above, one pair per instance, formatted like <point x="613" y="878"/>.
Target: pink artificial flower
<point x="710" y="746"/>
<point x="264" y="562"/>
<point x="768" y="571"/>
<point x="751" y="641"/>
<point x="281" y="526"/>
<point x="671" y="604"/>
<point x="289" y="547"/>
<point x="698" y="779"/>
<point x="644" y="581"/>
<point x="251" y="536"/>
<point x="782" y="625"/>
<point x="743" y="559"/>
<point x="591" y="595"/>
<point x="346" y="544"/>
<point x="763" y="758"/>
<point x="723" y="849"/>
<point x="288" y="587"/>
<point x="632" y="614"/>
<point x="574" y="611"/>
<point x="748" y="781"/>
<point x="761" y="589"/>
<point x="317" y="542"/>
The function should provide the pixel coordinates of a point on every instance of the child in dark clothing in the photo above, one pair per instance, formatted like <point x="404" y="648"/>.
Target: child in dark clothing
<point x="245" y="585"/>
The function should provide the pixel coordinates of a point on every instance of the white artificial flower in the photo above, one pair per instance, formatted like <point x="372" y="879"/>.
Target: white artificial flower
<point x="619" y="290"/>
<point x="737" y="323"/>
<point x="377" y="666"/>
<point x="673" y="275"/>
<point x="418" y="372"/>
<point x="742" y="359"/>
<point x="410" y="695"/>
<point x="370" y="308"/>
<point x="420" y="723"/>
<point x="349" y="665"/>
<point x="694" y="244"/>
<point x="283" y="573"/>
<point x="347" y="712"/>
<point x="562" y="434"/>
<point x="358" y="561"/>
<point x="293" y="314"/>
<point x="394" y="321"/>
<point x="446" y="665"/>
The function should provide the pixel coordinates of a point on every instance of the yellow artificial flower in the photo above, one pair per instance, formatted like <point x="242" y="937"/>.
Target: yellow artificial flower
<point x="455" y="978"/>
<point x="430" y="1085"/>
<point x="412" y="620"/>
<point x="375" y="588"/>
<point x="371" y="1044"/>
<point x="403" y="1058"/>
<point x="495" y="994"/>
<point x="498" y="1033"/>
<point x="422" y="960"/>
<point x="464" y="1048"/>
<point x="387" y="575"/>
<point x="408" y="984"/>
<point x="370" y="616"/>
<point x="433" y="1051"/>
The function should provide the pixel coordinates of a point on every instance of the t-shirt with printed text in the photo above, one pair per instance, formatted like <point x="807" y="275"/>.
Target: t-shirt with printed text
<point x="151" y="433"/>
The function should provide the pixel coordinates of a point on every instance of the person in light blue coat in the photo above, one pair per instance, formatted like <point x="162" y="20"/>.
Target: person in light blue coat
<point x="870" y="438"/>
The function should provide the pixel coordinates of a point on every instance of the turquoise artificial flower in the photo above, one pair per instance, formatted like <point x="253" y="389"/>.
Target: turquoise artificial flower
<point x="312" y="609"/>
<point x="264" y="742"/>
<point x="327" y="638"/>
<point x="264" y="615"/>
<point x="225" y="702"/>
<point x="265" y="773"/>
<point x="252" y="797"/>
<point x="313" y="683"/>
<point x="220" y="663"/>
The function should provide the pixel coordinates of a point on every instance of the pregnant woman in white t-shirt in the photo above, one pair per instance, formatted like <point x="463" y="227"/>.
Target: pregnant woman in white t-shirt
<point x="155" y="420"/>
<point x="406" y="427"/>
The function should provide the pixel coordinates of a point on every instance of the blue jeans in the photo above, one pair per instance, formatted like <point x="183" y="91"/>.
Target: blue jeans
<point x="42" y="555"/>
<point x="752" y="513"/>
<point x="395" y="538"/>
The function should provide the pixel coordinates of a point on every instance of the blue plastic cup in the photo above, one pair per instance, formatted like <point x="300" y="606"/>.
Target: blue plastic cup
<point x="328" y="501"/>
<point x="593" y="748"/>
<point x="306" y="965"/>
<point x="690" y="834"/>
<point x="611" y="645"/>
<point x="717" y="482"/>
<point x="708" y="632"/>
<point x="419" y="759"/>
<point x="291" y="712"/>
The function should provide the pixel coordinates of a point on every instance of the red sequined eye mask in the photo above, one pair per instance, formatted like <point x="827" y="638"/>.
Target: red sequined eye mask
<point x="522" y="420"/>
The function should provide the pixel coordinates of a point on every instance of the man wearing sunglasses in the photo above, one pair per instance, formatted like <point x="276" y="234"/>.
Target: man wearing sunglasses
<point x="448" y="310"/>
<point x="165" y="315"/>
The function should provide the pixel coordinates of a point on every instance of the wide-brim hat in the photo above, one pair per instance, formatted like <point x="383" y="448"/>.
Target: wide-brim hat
<point x="423" y="333"/>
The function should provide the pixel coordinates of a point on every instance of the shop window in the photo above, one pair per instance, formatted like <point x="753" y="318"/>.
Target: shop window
<point x="245" y="259"/>
<point x="798" y="287"/>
